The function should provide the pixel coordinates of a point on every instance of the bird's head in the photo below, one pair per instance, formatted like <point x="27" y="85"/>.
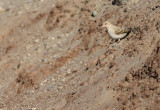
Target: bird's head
<point x="106" y="24"/>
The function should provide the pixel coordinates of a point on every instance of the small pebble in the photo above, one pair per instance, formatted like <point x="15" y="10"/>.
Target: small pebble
<point x="42" y="0"/>
<point x="36" y="41"/>
<point x="28" y="55"/>
<point x="69" y="71"/>
<point x="53" y="38"/>
<point x="49" y="88"/>
<point x="2" y="9"/>
<point x="94" y="13"/>
<point x="114" y="45"/>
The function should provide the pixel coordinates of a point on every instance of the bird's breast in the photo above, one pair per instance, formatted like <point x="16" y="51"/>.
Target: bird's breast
<point x="114" y="35"/>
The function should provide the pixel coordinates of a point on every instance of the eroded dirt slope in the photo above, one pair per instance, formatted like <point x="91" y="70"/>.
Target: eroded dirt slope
<point x="55" y="55"/>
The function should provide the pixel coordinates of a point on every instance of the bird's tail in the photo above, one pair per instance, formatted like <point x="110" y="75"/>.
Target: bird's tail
<point x="127" y="30"/>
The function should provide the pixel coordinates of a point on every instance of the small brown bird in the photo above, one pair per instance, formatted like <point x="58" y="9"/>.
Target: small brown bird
<point x="116" y="32"/>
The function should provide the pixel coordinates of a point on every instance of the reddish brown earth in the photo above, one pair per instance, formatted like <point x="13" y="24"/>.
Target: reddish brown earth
<point x="55" y="56"/>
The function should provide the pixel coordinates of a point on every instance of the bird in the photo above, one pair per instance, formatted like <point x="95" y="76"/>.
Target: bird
<point x="116" y="32"/>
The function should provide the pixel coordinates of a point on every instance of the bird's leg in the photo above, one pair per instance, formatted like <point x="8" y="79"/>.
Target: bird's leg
<point x="118" y="40"/>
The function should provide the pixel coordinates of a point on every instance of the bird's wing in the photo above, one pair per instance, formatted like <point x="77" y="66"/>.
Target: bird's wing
<point x="122" y="31"/>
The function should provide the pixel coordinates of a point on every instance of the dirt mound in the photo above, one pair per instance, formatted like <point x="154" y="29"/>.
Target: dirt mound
<point x="60" y="58"/>
<point x="140" y="89"/>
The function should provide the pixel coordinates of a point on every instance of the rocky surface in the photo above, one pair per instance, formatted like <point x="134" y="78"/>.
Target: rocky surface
<point x="55" y="55"/>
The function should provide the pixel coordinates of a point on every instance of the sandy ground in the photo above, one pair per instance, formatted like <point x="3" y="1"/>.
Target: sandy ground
<point x="54" y="55"/>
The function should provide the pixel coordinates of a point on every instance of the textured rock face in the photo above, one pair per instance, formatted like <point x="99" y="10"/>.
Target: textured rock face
<point x="55" y="55"/>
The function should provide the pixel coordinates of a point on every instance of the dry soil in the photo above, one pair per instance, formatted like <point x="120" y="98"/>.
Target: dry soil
<point x="55" y="55"/>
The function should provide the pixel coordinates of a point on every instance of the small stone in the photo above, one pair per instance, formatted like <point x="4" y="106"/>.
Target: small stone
<point x="33" y="108"/>
<point x="52" y="79"/>
<point x="53" y="5"/>
<point x="44" y="60"/>
<point x="36" y="41"/>
<point x="114" y="45"/>
<point x="94" y="13"/>
<point x="49" y="88"/>
<point x="41" y="0"/>
<point x="2" y="9"/>
<point x="69" y="71"/>
<point x="42" y="83"/>
<point x="20" y="12"/>
<point x="28" y="55"/>
<point x="53" y="38"/>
